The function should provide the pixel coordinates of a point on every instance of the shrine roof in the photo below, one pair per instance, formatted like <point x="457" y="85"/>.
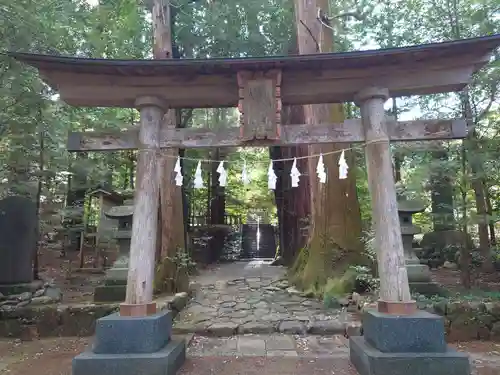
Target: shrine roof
<point x="306" y="79"/>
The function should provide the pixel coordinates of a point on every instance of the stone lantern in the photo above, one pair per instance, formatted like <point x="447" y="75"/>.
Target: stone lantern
<point x="419" y="275"/>
<point x="115" y="284"/>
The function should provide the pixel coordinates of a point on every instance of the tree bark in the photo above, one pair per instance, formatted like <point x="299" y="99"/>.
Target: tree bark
<point x="465" y="251"/>
<point x="217" y="199"/>
<point x="41" y="179"/>
<point x="476" y="168"/>
<point x="441" y="194"/>
<point x="491" y="223"/>
<point x="391" y="264"/>
<point x="335" y="226"/>
<point x="75" y="200"/>
<point x="172" y="212"/>
<point x="478" y="187"/>
<point x="140" y="278"/>
<point x="293" y="204"/>
<point x="398" y="157"/>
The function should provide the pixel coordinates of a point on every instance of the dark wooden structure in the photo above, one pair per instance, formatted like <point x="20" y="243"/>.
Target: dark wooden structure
<point x="258" y="241"/>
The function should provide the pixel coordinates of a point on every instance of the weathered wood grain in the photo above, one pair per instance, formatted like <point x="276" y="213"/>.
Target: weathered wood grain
<point x="259" y="105"/>
<point x="171" y="228"/>
<point x="308" y="88"/>
<point x="350" y="131"/>
<point x="143" y="240"/>
<point x="388" y="240"/>
<point x="203" y="80"/>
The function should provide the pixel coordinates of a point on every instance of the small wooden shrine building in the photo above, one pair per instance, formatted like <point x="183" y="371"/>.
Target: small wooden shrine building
<point x="259" y="87"/>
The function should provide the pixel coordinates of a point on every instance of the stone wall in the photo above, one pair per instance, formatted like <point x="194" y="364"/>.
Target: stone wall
<point x="469" y="320"/>
<point x="29" y="322"/>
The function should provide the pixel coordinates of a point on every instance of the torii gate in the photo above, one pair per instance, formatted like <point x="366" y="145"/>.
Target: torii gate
<point x="259" y="87"/>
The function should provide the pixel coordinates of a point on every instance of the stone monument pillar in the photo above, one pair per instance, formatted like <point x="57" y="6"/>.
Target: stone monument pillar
<point x="19" y="234"/>
<point x="115" y="284"/>
<point x="419" y="275"/>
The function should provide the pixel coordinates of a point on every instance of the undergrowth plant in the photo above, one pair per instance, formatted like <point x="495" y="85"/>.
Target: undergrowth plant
<point x="366" y="275"/>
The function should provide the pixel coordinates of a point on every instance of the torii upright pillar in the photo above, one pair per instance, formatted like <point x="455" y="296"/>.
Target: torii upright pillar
<point x="137" y="339"/>
<point x="139" y="296"/>
<point x="397" y="338"/>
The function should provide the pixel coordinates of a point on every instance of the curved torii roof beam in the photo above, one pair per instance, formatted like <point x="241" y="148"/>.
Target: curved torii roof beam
<point x="306" y="79"/>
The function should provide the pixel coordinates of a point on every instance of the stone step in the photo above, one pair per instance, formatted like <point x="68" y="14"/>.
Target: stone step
<point x="294" y="327"/>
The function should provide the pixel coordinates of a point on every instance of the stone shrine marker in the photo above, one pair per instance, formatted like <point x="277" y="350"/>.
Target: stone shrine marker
<point x="18" y="240"/>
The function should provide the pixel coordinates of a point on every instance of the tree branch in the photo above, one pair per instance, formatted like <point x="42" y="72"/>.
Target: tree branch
<point x="354" y="14"/>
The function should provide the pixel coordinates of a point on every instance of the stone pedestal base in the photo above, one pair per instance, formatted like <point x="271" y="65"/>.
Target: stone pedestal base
<point x="369" y="361"/>
<point x="119" y="274"/>
<point x="419" y="276"/>
<point x="132" y="345"/>
<point x="115" y="286"/>
<point x="418" y="272"/>
<point x="110" y="293"/>
<point x="411" y="345"/>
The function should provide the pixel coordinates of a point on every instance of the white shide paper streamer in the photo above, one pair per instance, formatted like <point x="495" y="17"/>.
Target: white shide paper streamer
<point x="271" y="177"/>
<point x="294" y="174"/>
<point x="245" y="178"/>
<point x="198" y="179"/>
<point x="177" y="169"/>
<point x="343" y="167"/>
<point x="320" y="170"/>
<point x="222" y="174"/>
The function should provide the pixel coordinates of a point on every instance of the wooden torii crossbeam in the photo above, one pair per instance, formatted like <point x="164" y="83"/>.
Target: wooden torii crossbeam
<point x="260" y="87"/>
<point x="350" y="131"/>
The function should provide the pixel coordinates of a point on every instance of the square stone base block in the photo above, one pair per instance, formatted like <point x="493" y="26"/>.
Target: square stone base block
<point x="166" y="361"/>
<point x="420" y="332"/>
<point x="369" y="361"/>
<point x="115" y="334"/>
<point x="110" y="293"/>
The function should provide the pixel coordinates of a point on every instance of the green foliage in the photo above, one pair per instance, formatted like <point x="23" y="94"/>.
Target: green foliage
<point x="340" y="286"/>
<point x="183" y="265"/>
<point x="473" y="295"/>
<point x="365" y="274"/>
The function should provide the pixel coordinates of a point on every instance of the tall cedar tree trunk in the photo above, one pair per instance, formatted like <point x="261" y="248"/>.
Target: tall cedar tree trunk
<point x="473" y="147"/>
<point x="75" y="200"/>
<point x="398" y="156"/>
<point x="41" y="179"/>
<point x="293" y="204"/>
<point x="171" y="210"/>
<point x="217" y="199"/>
<point x="478" y="186"/>
<point x="442" y="194"/>
<point x="335" y="228"/>
<point x="465" y="251"/>
<point x="491" y="224"/>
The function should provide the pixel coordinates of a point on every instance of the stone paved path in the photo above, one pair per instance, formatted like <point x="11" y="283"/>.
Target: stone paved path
<point x="312" y="353"/>
<point x="271" y="345"/>
<point x="254" y="297"/>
